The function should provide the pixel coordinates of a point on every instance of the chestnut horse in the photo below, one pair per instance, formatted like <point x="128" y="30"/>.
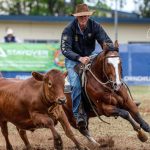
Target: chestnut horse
<point x="106" y="92"/>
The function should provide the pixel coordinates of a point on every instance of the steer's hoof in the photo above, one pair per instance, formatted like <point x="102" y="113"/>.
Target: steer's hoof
<point x="58" y="144"/>
<point x="142" y="136"/>
<point x="81" y="147"/>
<point x="28" y="147"/>
<point x="9" y="147"/>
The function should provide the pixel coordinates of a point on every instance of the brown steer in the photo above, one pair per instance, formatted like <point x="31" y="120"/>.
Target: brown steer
<point x="34" y="103"/>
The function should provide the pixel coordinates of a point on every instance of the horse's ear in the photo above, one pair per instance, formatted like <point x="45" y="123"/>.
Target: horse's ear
<point x="116" y="44"/>
<point x="104" y="45"/>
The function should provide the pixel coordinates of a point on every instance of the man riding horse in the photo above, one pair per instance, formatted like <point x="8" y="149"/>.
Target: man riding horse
<point x="77" y="44"/>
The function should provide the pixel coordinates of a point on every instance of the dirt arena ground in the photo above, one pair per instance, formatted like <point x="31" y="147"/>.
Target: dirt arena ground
<point x="119" y="135"/>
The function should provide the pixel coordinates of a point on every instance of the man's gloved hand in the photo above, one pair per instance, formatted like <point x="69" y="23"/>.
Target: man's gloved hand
<point x="84" y="60"/>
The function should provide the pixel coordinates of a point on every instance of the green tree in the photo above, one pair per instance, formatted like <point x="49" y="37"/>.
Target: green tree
<point x="101" y="9"/>
<point x="145" y="8"/>
<point x="37" y="7"/>
<point x="46" y="7"/>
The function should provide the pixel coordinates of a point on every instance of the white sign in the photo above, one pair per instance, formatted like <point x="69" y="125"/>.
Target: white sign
<point x="67" y="1"/>
<point x="137" y="78"/>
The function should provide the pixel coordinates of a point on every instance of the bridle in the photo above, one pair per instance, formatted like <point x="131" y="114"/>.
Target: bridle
<point x="105" y="84"/>
<point x="110" y="81"/>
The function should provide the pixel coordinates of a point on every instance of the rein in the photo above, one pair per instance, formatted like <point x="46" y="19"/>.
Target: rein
<point x="87" y="68"/>
<point x="128" y="90"/>
<point x="85" y="82"/>
<point x="104" y="84"/>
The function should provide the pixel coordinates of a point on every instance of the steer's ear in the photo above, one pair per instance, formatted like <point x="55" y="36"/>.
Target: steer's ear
<point x="37" y="76"/>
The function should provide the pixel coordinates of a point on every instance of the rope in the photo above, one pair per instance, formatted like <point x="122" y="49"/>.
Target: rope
<point x="85" y="81"/>
<point x="128" y="90"/>
<point x="102" y="83"/>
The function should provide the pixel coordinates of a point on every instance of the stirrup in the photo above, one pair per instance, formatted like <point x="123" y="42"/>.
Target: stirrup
<point x="84" y="131"/>
<point x="81" y="122"/>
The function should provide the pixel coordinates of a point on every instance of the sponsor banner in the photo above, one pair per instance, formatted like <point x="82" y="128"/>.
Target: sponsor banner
<point x="137" y="80"/>
<point x="30" y="57"/>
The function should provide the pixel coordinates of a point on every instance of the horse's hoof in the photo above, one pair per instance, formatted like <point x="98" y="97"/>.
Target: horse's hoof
<point x="142" y="136"/>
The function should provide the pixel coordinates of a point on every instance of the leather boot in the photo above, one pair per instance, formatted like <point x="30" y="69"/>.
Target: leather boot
<point x="82" y="117"/>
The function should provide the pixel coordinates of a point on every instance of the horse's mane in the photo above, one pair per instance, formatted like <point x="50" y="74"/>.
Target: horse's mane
<point x="106" y="49"/>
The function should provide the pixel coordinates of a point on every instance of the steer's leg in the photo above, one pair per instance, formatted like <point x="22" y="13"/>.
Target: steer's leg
<point x="24" y="137"/>
<point x="44" y="121"/>
<point x="4" y="130"/>
<point x="67" y="128"/>
<point x="114" y="111"/>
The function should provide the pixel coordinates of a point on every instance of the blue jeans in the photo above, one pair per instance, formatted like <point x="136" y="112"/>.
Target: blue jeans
<point x="75" y="85"/>
<point x="74" y="81"/>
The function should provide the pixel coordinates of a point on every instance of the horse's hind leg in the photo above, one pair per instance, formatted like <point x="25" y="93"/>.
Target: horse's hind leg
<point x="23" y="136"/>
<point x="4" y="130"/>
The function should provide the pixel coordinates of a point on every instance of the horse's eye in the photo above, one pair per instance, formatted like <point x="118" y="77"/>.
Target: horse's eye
<point x="49" y="84"/>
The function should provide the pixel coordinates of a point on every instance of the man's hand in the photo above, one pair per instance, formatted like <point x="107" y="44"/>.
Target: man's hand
<point x="84" y="60"/>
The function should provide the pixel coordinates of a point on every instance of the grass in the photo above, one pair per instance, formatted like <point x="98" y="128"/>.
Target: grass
<point x="140" y="91"/>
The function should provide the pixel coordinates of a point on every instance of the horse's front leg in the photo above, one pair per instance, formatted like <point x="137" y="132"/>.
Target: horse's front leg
<point x="133" y="109"/>
<point x="144" y="125"/>
<point x="110" y="110"/>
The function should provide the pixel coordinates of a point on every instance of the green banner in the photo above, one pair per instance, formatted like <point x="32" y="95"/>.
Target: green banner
<point x="30" y="57"/>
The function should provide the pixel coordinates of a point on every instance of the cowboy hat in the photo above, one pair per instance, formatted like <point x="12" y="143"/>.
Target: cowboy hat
<point x="82" y="10"/>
